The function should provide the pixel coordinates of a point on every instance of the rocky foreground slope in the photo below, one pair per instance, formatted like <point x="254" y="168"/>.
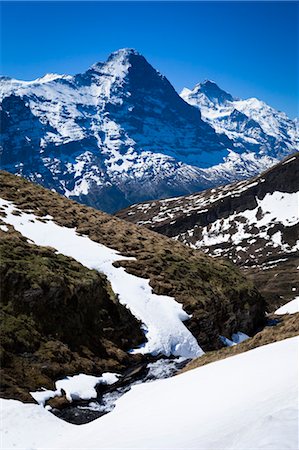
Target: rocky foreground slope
<point x="60" y="318"/>
<point x="253" y="223"/>
<point x="119" y="133"/>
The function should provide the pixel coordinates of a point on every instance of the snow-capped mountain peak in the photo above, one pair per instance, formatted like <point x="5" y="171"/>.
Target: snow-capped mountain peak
<point x="208" y="97"/>
<point x="251" y="124"/>
<point x="213" y="92"/>
<point x="118" y="130"/>
<point x="118" y="62"/>
<point x="123" y="53"/>
<point x="124" y="73"/>
<point x="119" y="133"/>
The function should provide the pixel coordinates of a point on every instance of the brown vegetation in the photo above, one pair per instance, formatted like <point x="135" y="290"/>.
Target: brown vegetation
<point x="58" y="318"/>
<point x="287" y="327"/>
<point x="220" y="299"/>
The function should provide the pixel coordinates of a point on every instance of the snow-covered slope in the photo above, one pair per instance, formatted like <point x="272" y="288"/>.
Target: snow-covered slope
<point x="254" y="223"/>
<point x="118" y="134"/>
<point x="251" y="124"/>
<point x="291" y="307"/>
<point x="248" y="401"/>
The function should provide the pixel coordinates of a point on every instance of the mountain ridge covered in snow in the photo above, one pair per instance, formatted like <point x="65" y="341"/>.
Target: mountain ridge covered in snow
<point x="119" y="133"/>
<point x="251" y="124"/>
<point x="254" y="223"/>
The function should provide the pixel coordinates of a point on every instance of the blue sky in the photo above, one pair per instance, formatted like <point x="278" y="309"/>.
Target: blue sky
<point x="248" y="48"/>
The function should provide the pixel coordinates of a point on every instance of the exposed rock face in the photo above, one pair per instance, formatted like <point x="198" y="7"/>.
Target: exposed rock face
<point x="119" y="133"/>
<point x="220" y="299"/>
<point x="253" y="223"/>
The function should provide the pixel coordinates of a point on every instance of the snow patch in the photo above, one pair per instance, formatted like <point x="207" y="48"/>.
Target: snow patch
<point x="82" y="387"/>
<point x="42" y="396"/>
<point x="237" y="338"/>
<point x="3" y="228"/>
<point x="291" y="307"/>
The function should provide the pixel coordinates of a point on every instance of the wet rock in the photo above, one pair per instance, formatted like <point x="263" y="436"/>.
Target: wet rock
<point x="58" y="402"/>
<point x="77" y="415"/>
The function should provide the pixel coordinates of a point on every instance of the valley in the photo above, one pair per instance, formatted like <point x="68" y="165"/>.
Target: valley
<point x="149" y="248"/>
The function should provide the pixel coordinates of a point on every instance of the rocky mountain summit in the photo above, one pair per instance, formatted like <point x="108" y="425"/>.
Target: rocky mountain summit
<point x="119" y="133"/>
<point x="253" y="223"/>
<point x="81" y="288"/>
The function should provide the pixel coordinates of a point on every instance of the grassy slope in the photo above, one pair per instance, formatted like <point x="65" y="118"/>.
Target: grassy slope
<point x="287" y="327"/>
<point x="57" y="318"/>
<point x="218" y="296"/>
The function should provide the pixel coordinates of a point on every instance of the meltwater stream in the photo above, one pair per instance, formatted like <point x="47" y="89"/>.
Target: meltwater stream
<point x="83" y="412"/>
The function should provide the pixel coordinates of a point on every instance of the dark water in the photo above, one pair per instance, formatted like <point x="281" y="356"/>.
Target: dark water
<point x="86" y="411"/>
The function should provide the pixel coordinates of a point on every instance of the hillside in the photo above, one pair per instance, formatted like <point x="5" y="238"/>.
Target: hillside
<point x="253" y="223"/>
<point x="53" y="306"/>
<point x="57" y="318"/>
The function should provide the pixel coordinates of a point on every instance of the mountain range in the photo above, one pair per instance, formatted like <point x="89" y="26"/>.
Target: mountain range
<point x="119" y="133"/>
<point x="251" y="124"/>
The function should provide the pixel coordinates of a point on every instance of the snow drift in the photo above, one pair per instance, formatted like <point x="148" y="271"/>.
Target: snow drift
<point x="248" y="401"/>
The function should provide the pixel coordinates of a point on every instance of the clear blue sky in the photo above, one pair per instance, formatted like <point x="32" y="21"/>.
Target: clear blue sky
<point x="248" y="48"/>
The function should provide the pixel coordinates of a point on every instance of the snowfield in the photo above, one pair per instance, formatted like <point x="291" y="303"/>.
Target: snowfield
<point x="278" y="207"/>
<point x="161" y="315"/>
<point x="248" y="401"/>
<point x="239" y="229"/>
